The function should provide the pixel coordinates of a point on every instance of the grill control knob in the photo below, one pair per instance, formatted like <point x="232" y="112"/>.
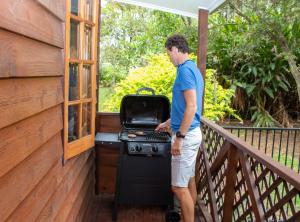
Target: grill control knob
<point x="138" y="148"/>
<point x="154" y="149"/>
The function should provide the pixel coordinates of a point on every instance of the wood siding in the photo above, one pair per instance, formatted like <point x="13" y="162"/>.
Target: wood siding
<point x="35" y="185"/>
<point x="107" y="156"/>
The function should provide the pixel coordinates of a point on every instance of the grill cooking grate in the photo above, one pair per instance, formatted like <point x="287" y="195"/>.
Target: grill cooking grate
<point x="164" y="136"/>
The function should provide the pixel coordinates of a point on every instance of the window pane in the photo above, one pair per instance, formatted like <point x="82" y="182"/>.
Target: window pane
<point x="73" y="123"/>
<point x="74" y="39"/>
<point x="73" y="82"/>
<point x="74" y="7"/>
<point x="87" y="43"/>
<point x="86" y="82"/>
<point x="88" y="10"/>
<point x="86" y="119"/>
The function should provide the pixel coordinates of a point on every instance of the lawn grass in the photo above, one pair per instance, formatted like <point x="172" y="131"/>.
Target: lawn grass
<point x="103" y="94"/>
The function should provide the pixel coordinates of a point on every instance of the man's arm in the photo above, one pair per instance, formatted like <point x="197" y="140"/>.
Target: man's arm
<point x="190" y="110"/>
<point x="189" y="113"/>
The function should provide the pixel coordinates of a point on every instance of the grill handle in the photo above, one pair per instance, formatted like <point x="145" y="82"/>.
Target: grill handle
<point x="145" y="89"/>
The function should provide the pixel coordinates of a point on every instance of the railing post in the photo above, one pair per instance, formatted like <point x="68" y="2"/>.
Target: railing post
<point x="231" y="175"/>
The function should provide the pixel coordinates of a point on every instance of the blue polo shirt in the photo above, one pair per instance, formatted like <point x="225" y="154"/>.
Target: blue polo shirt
<point x="188" y="77"/>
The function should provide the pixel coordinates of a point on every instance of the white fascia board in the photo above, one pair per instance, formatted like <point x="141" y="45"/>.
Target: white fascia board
<point x="215" y="5"/>
<point x="157" y="7"/>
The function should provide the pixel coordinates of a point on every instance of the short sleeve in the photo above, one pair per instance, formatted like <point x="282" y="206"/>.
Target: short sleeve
<point x="186" y="79"/>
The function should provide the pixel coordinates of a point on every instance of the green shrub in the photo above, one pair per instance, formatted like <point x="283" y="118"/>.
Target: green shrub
<point x="159" y="74"/>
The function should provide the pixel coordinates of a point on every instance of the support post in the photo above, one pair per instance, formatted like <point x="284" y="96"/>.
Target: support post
<point x="202" y="44"/>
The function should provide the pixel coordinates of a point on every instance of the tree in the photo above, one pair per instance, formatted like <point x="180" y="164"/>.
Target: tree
<point x="129" y="33"/>
<point x="251" y="58"/>
<point x="280" y="21"/>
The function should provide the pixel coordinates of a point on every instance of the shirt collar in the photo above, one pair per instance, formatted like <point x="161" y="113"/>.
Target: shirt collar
<point x="183" y="63"/>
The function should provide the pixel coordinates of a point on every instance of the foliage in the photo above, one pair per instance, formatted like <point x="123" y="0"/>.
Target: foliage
<point x="130" y="33"/>
<point x="159" y="74"/>
<point x="252" y="61"/>
<point x="253" y="46"/>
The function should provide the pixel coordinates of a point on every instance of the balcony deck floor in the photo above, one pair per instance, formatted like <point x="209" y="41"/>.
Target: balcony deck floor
<point x="103" y="206"/>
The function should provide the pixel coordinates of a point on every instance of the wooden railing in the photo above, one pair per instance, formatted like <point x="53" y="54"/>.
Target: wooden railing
<point x="237" y="182"/>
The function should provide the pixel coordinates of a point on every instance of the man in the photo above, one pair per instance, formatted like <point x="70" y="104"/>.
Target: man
<point x="186" y="109"/>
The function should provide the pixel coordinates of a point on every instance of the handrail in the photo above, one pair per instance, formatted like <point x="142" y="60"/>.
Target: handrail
<point x="237" y="182"/>
<point x="262" y="128"/>
<point x="286" y="173"/>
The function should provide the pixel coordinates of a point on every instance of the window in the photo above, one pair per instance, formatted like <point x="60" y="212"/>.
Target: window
<point x="80" y="76"/>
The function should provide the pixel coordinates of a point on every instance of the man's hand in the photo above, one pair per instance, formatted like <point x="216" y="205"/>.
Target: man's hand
<point x="176" y="147"/>
<point x="163" y="127"/>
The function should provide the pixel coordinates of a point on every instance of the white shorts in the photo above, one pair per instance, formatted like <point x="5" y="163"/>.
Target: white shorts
<point x="183" y="165"/>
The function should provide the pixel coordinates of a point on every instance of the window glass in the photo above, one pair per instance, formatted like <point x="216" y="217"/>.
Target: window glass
<point x="73" y="82"/>
<point x="74" y="7"/>
<point x="88" y="10"/>
<point x="87" y="52"/>
<point x="86" y="119"/>
<point x="73" y="124"/>
<point x="74" y="39"/>
<point x="86" y="82"/>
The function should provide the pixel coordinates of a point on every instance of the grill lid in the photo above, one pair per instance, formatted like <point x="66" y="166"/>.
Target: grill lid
<point x="144" y="111"/>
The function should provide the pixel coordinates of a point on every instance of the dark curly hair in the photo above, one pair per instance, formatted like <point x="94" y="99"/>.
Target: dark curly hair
<point x="179" y="42"/>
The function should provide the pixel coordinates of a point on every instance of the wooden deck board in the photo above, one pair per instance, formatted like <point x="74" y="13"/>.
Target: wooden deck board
<point x="104" y="203"/>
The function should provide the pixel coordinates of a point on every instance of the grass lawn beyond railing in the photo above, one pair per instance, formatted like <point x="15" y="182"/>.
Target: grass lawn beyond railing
<point x="282" y="144"/>
<point x="103" y="94"/>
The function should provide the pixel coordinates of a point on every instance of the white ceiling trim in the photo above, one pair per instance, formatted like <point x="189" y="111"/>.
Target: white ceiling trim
<point x="157" y="7"/>
<point x="215" y="4"/>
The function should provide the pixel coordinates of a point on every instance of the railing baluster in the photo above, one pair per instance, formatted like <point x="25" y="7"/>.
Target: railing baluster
<point x="299" y="163"/>
<point x="287" y="147"/>
<point x="252" y="136"/>
<point x="293" y="152"/>
<point x="279" y="151"/>
<point x="274" y="135"/>
<point x="259" y="139"/>
<point x="266" y="145"/>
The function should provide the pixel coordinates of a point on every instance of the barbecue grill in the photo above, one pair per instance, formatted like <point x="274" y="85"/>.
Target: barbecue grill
<point x="144" y="169"/>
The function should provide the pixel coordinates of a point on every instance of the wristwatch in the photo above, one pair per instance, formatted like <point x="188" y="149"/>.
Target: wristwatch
<point x="179" y="135"/>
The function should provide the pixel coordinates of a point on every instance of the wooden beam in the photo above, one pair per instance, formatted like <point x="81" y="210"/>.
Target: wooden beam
<point x="252" y="189"/>
<point x="219" y="160"/>
<point x="203" y="209"/>
<point x="202" y="40"/>
<point x="202" y="44"/>
<point x="231" y="175"/>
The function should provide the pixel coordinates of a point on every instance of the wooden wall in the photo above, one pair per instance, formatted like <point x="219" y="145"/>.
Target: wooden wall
<point x="34" y="183"/>
<point x="107" y="156"/>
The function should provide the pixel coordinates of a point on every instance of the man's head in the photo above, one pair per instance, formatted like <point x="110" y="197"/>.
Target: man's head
<point x="177" y="49"/>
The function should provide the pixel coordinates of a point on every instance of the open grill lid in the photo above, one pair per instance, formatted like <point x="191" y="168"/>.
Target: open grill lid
<point x="144" y="111"/>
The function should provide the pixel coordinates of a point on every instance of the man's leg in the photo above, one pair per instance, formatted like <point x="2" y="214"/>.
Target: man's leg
<point x="193" y="192"/>
<point x="186" y="203"/>
<point x="192" y="189"/>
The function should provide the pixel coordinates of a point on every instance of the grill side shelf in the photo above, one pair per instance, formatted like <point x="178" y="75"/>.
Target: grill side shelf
<point x="108" y="139"/>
